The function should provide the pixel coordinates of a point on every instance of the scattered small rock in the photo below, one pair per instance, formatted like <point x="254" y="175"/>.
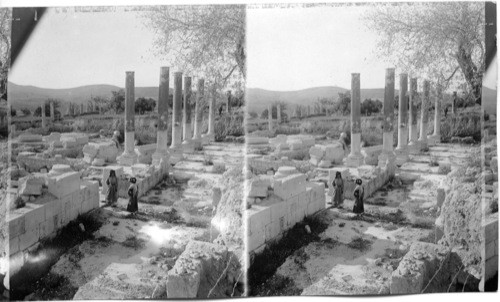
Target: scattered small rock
<point x="115" y="223"/>
<point x="347" y="278"/>
<point x="342" y="224"/>
<point x="122" y="277"/>
<point x="308" y="229"/>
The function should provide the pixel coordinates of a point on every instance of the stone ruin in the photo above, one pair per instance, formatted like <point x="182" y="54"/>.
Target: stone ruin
<point x="52" y="189"/>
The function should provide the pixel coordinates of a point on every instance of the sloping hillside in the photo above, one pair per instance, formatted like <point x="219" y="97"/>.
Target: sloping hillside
<point x="31" y="96"/>
<point x="257" y="99"/>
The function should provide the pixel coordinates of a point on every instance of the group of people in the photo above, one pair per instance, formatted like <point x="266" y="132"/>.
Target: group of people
<point x="112" y="194"/>
<point x="338" y="195"/>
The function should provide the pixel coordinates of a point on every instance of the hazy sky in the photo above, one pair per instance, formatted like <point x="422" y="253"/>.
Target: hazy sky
<point x="296" y="48"/>
<point x="77" y="48"/>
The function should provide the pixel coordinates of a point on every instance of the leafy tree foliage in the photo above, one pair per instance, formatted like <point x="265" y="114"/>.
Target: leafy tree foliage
<point x="57" y="105"/>
<point x="343" y="104"/>
<point x="207" y="41"/>
<point x="434" y="40"/>
<point x="26" y="111"/>
<point x="369" y="107"/>
<point x="143" y="105"/>
<point x="5" y="26"/>
<point x="117" y="101"/>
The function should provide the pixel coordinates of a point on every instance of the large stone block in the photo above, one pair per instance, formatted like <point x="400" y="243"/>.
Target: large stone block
<point x="29" y="138"/>
<point x="289" y="186"/>
<point x="31" y="185"/>
<point x="258" y="218"/>
<point x="63" y="184"/>
<point x="14" y="245"/>
<point x="334" y="153"/>
<point x="17" y="224"/>
<point x="29" y="238"/>
<point x="203" y="270"/>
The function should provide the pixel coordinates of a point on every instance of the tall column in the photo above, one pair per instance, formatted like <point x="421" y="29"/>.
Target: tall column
<point x="387" y="157"/>
<point x="270" y="117"/>
<point x="210" y="135"/>
<point x="422" y="141"/>
<point x="413" y="144"/>
<point x="402" y="148"/>
<point x="162" y="129"/>
<point x="198" y="115"/>
<point x="278" y="112"/>
<point x="52" y="113"/>
<point x="186" y="129"/>
<point x="228" y="102"/>
<point x="436" y="136"/>
<point x="44" y="118"/>
<point x="177" y="114"/>
<point x="129" y="157"/>
<point x="454" y="103"/>
<point x="355" y="158"/>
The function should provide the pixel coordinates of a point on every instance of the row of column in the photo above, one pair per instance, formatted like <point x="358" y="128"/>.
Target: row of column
<point x="407" y="123"/>
<point x="182" y="137"/>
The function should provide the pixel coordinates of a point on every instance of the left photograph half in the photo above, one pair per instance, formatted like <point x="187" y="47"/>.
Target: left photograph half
<point x="5" y="18"/>
<point x="127" y="138"/>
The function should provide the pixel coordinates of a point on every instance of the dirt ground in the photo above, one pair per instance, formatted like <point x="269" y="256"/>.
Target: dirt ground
<point x="130" y="255"/>
<point x="356" y="255"/>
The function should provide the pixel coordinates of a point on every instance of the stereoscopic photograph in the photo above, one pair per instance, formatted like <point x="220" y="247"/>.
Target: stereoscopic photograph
<point x="126" y="139"/>
<point x="371" y="148"/>
<point x="229" y="150"/>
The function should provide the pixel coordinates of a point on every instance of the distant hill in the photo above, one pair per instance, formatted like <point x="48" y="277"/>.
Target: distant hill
<point x="257" y="99"/>
<point x="31" y="96"/>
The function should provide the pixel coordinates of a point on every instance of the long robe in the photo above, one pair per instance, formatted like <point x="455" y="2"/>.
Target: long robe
<point x="359" y="194"/>
<point x="133" y="193"/>
<point x="112" y="195"/>
<point x="338" y="193"/>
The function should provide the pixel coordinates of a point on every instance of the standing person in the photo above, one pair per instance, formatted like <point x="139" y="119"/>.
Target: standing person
<point x="112" y="195"/>
<point x="133" y="193"/>
<point x="338" y="193"/>
<point x="359" y="193"/>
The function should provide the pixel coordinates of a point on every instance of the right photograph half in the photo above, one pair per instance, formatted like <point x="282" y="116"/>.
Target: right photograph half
<point x="371" y="151"/>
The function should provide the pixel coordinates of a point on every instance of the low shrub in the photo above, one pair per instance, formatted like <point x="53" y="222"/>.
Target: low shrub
<point x="462" y="125"/>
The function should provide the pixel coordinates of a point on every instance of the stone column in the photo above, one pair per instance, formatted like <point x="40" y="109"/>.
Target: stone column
<point x="355" y="158"/>
<point x="228" y="102"/>
<point x="387" y="157"/>
<point x="270" y="117"/>
<point x="52" y="112"/>
<point x="402" y="148"/>
<point x="198" y="115"/>
<point x="278" y="112"/>
<point x="162" y="128"/>
<point x="129" y="157"/>
<point x="422" y="141"/>
<point x="186" y="129"/>
<point x="82" y="110"/>
<point x="44" y="118"/>
<point x="454" y="103"/>
<point x="436" y="136"/>
<point x="413" y="144"/>
<point x="210" y="135"/>
<point x="177" y="113"/>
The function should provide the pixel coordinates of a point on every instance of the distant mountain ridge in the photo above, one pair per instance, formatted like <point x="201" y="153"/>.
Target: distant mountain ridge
<point x="257" y="98"/>
<point x="22" y="96"/>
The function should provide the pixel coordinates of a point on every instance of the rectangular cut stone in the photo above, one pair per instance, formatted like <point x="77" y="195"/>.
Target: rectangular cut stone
<point x="13" y="245"/>
<point x="289" y="186"/>
<point x="64" y="184"/>
<point x="34" y="215"/>
<point x="258" y="218"/>
<point x="29" y="238"/>
<point x="17" y="224"/>
<point x="278" y="210"/>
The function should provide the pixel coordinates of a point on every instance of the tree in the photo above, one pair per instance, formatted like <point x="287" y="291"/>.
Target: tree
<point x="57" y="105"/>
<point x="26" y="111"/>
<point x="369" y="106"/>
<point x="343" y="104"/>
<point x="117" y="101"/>
<point x="143" y="105"/>
<point x="5" y="26"/>
<point x="434" y="40"/>
<point x="207" y="40"/>
<point x="101" y="102"/>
